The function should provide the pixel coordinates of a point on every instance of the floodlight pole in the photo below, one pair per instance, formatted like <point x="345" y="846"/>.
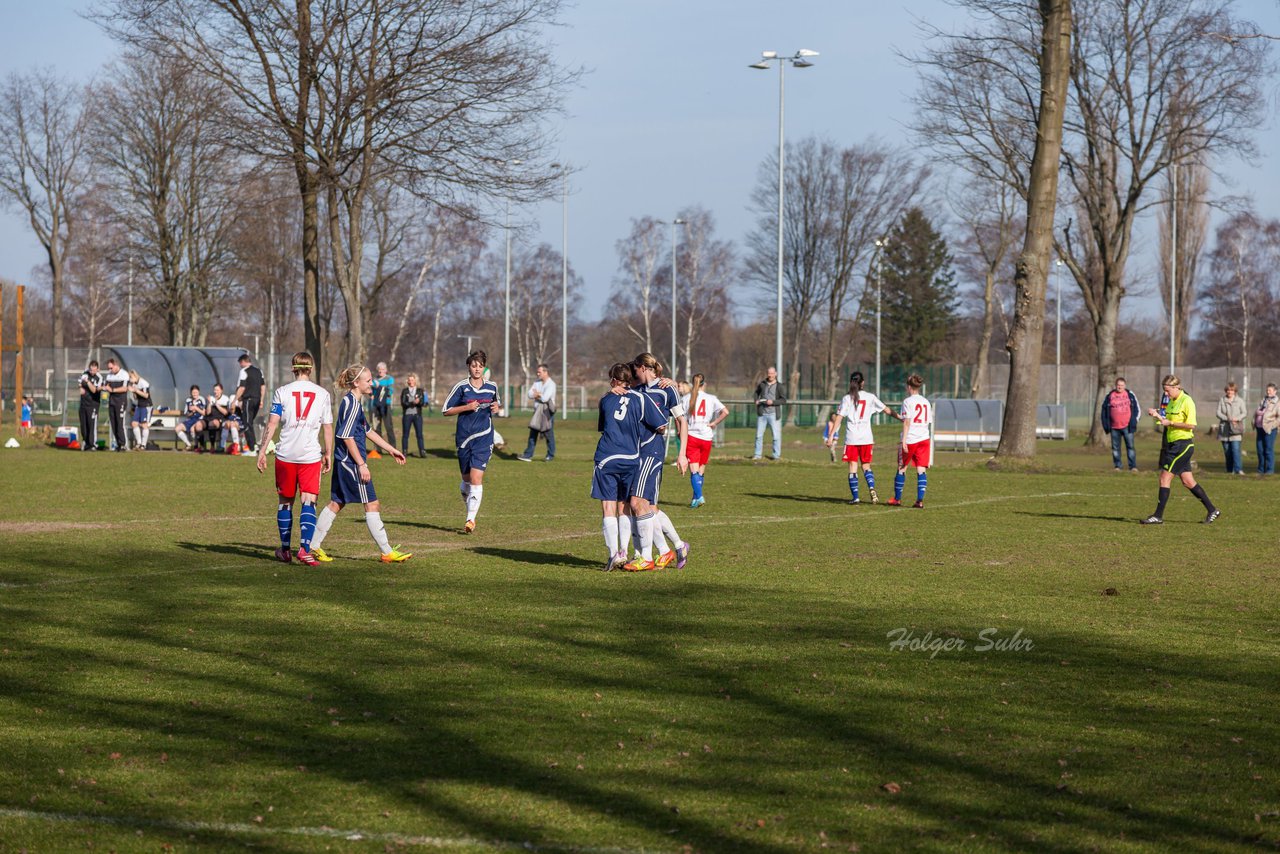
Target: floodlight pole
<point x="1173" y="274"/>
<point x="1057" y="385"/>
<point x="672" y="368"/>
<point x="800" y="60"/>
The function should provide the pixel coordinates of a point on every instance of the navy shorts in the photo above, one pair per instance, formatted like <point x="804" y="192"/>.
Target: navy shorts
<point x="345" y="486"/>
<point x="475" y="455"/>
<point x="142" y="414"/>
<point x="648" y="478"/>
<point x="191" y="422"/>
<point x="613" y="482"/>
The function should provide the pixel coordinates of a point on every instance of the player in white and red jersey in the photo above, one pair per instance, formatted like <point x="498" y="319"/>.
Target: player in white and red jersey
<point x="859" y="407"/>
<point x="916" y="449"/>
<point x="303" y="411"/>
<point x="705" y="412"/>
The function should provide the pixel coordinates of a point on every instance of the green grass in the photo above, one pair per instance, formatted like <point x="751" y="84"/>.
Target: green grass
<point x="165" y="683"/>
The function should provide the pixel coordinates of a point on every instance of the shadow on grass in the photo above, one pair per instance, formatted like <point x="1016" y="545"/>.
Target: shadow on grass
<point x="540" y="558"/>
<point x="408" y="523"/>
<point x="255" y="551"/>
<point x="1125" y="520"/>
<point x="808" y="499"/>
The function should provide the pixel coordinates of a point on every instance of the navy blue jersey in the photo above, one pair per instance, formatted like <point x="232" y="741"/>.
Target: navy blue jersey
<point x="626" y="420"/>
<point x="193" y="406"/>
<point x="351" y="424"/>
<point x="667" y="402"/>
<point x="475" y="426"/>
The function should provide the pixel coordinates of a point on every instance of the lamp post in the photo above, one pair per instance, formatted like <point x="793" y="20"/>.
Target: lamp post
<point x="799" y="60"/>
<point x="130" y="334"/>
<point x="1057" y="382"/>
<point x="564" y="275"/>
<point x="506" y="323"/>
<point x="881" y="242"/>
<point x="1173" y="274"/>
<point x="674" y="223"/>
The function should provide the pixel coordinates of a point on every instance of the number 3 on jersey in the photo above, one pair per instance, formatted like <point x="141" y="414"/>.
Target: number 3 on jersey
<point x="303" y="412"/>
<point x="621" y="413"/>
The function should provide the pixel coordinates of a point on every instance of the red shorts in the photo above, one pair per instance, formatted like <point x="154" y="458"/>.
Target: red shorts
<point x="858" y="453"/>
<point x="917" y="454"/>
<point x="26" y="424"/>
<point x="698" y="450"/>
<point x="292" y="478"/>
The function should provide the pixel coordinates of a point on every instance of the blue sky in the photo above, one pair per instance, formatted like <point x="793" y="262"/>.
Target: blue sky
<point x="668" y="114"/>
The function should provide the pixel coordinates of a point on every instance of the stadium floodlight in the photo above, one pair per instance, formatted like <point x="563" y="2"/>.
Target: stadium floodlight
<point x="799" y="61"/>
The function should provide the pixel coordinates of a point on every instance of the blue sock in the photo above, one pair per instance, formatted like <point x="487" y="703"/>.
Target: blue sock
<point x="284" y="521"/>
<point x="899" y="481"/>
<point x="696" y="481"/>
<point x="853" y="485"/>
<point x="871" y="480"/>
<point x="307" y="525"/>
<point x="922" y="483"/>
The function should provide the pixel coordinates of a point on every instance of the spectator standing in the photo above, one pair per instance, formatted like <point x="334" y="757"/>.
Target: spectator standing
<point x="250" y="391"/>
<point x="1231" y="415"/>
<point x="1120" y="415"/>
<point x="769" y="399"/>
<point x="1265" y="421"/>
<point x="117" y="383"/>
<point x="141" y="422"/>
<point x="90" y="401"/>
<point x="412" y="400"/>
<point x="384" y="386"/>
<point x="542" y="422"/>
<point x="24" y="426"/>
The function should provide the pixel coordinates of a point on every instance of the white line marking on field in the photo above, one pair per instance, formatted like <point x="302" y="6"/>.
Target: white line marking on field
<point x="179" y="826"/>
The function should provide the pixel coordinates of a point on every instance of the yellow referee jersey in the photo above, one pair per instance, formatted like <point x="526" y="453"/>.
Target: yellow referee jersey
<point x="1182" y="411"/>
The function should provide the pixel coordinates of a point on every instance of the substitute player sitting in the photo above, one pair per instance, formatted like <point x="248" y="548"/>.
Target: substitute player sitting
<point x="192" y="424"/>
<point x="352" y="481"/>
<point x="859" y="407"/>
<point x="626" y="419"/>
<point x="915" y="450"/>
<point x="303" y="411"/>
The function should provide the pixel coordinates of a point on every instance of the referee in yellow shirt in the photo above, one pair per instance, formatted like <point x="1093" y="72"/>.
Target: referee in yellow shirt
<point x="1179" y="423"/>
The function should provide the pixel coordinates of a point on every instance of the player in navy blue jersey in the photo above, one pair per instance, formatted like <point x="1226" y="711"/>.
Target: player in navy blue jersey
<point x="653" y="451"/>
<point x="474" y="401"/>
<point x="352" y="481"/>
<point x="627" y="418"/>
<point x="192" y="423"/>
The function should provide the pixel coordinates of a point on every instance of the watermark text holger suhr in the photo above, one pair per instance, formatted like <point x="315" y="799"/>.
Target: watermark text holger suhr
<point x="988" y="640"/>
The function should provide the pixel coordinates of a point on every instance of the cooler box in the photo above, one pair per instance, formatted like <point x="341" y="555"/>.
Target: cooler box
<point x="65" y="436"/>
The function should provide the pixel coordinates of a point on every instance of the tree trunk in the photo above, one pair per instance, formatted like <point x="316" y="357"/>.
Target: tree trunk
<point x="982" y="363"/>
<point x="313" y="332"/>
<point x="1104" y="338"/>
<point x="793" y="390"/>
<point x="435" y="345"/>
<point x="56" y="289"/>
<point x="1031" y="273"/>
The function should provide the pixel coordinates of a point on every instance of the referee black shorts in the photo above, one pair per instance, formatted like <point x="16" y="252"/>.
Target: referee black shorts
<point x="1175" y="457"/>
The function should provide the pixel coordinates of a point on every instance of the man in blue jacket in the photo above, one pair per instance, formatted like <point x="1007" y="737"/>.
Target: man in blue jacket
<point x="1120" y="415"/>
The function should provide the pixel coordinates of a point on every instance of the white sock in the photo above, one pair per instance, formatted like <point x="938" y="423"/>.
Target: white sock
<point x="668" y="529"/>
<point x="146" y="434"/>
<point x="611" y="534"/>
<point x="323" y="521"/>
<point x="235" y="435"/>
<point x="137" y="434"/>
<point x="465" y="489"/>
<point x="185" y="440"/>
<point x="645" y="524"/>
<point x="374" y="521"/>
<point x="473" y="501"/>
<point x="624" y="534"/>
<point x="659" y="541"/>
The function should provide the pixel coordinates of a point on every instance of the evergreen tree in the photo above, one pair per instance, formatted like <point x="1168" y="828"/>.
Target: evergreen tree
<point x="919" y="302"/>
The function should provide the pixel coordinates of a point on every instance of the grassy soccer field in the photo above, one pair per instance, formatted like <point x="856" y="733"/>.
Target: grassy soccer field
<point x="164" y="683"/>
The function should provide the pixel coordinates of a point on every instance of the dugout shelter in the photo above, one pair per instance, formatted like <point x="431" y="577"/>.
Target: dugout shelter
<point x="173" y="370"/>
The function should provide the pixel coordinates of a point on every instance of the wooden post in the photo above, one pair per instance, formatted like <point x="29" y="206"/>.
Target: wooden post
<point x="17" y="368"/>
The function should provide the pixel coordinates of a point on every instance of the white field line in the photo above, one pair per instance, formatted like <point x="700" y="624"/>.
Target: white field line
<point x="179" y="826"/>
<point x="469" y="543"/>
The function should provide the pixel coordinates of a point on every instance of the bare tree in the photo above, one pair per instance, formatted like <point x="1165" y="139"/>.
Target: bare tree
<point x="536" y="282"/>
<point x="442" y="94"/>
<point x="42" y="168"/>
<point x="267" y="231"/>
<point x="990" y="216"/>
<point x="636" y="293"/>
<point x="1188" y="208"/>
<point x="1243" y="291"/>
<point x="705" y="270"/>
<point x="1031" y="272"/>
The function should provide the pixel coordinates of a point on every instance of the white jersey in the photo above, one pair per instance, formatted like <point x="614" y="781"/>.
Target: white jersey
<point x="858" y="417"/>
<point x="919" y="415"/>
<point x="302" y="406"/>
<point x="224" y="402"/>
<point x="700" y="422"/>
